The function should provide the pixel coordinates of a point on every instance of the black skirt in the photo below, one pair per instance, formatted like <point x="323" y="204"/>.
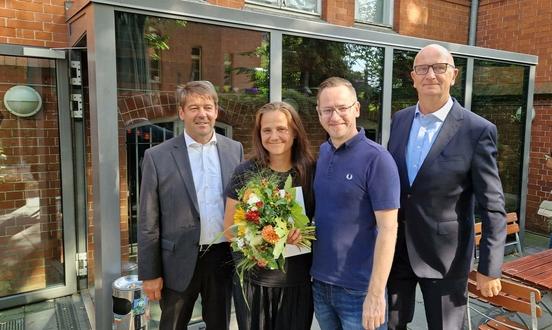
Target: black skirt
<point x="275" y="308"/>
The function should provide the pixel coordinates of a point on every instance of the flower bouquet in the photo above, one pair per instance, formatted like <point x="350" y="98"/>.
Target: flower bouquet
<point x="263" y="218"/>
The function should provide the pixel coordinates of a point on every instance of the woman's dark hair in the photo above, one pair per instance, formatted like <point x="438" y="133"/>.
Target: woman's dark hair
<point x="302" y="159"/>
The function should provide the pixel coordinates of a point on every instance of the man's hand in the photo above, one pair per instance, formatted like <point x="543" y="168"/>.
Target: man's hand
<point x="152" y="288"/>
<point x="294" y="236"/>
<point x="373" y="311"/>
<point x="488" y="286"/>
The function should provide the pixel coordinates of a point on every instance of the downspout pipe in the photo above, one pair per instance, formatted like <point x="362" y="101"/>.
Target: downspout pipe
<point x="473" y="22"/>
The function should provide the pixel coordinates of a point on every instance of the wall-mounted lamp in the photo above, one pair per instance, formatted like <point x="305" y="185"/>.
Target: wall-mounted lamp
<point x="22" y="101"/>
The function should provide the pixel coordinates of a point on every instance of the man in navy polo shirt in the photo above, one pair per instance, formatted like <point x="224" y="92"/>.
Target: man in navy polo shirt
<point x="357" y="196"/>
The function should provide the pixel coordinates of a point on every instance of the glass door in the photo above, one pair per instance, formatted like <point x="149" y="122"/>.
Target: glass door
<point x="37" y="260"/>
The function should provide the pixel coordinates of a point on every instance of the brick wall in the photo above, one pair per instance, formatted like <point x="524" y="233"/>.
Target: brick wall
<point x="34" y="23"/>
<point x="339" y="12"/>
<point x="519" y="26"/>
<point x="237" y="4"/>
<point x="445" y="20"/>
<point x="515" y="25"/>
<point x="540" y="178"/>
<point x="524" y="26"/>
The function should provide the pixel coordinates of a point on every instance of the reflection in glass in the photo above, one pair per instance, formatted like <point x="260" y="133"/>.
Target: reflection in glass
<point x="306" y="62"/>
<point x="370" y="11"/>
<point x="154" y="56"/>
<point x="500" y="95"/>
<point x="31" y="231"/>
<point x="405" y="95"/>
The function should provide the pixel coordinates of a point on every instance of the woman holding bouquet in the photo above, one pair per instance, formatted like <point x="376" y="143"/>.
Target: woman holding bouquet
<point x="277" y="299"/>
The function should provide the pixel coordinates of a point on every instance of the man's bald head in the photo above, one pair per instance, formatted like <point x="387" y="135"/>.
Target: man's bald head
<point x="434" y="50"/>
<point x="433" y="75"/>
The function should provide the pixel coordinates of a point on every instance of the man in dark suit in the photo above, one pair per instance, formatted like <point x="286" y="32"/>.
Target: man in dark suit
<point x="181" y="253"/>
<point x="446" y="156"/>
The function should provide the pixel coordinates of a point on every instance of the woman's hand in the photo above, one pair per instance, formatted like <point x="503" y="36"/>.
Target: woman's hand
<point x="294" y="236"/>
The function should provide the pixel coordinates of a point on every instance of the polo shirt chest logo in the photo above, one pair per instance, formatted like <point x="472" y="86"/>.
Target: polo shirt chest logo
<point x="349" y="176"/>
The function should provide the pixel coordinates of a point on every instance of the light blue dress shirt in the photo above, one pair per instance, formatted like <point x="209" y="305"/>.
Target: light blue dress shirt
<point x="423" y="132"/>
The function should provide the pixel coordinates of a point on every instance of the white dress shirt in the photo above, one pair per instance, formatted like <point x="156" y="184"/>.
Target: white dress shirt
<point x="205" y="164"/>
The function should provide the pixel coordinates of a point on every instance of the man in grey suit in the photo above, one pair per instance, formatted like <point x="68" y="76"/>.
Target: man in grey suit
<point x="181" y="253"/>
<point x="446" y="156"/>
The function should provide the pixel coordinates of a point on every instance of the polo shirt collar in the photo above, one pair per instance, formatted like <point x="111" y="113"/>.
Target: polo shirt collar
<point x="190" y="142"/>
<point x="352" y="141"/>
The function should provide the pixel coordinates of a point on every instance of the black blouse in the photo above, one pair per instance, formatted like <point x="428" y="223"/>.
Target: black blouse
<point x="297" y="268"/>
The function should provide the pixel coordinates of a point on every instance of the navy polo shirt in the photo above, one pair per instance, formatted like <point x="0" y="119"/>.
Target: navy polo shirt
<point x="350" y="184"/>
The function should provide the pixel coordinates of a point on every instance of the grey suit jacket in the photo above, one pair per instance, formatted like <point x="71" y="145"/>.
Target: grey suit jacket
<point x="169" y="224"/>
<point x="436" y="214"/>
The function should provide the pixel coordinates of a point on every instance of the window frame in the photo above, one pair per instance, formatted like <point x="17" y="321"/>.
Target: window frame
<point x="281" y="6"/>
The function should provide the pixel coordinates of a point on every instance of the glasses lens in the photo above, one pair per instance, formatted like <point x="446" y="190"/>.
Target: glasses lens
<point x="439" y="67"/>
<point x="341" y="110"/>
<point x="421" y="69"/>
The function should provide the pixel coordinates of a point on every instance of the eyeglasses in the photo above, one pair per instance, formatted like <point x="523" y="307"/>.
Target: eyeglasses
<point x="438" y="68"/>
<point x="547" y="157"/>
<point x="341" y="110"/>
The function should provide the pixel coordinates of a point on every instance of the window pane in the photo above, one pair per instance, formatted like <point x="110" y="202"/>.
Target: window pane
<point x="304" y="5"/>
<point x="31" y="213"/>
<point x="369" y="11"/>
<point x="234" y="60"/>
<point x="307" y="62"/>
<point x="404" y="94"/>
<point x="500" y="95"/>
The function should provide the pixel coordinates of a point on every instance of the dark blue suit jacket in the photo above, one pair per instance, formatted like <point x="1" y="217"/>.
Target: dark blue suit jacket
<point x="436" y="214"/>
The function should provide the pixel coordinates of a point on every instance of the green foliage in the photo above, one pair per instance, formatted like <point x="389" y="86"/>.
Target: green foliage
<point x="260" y="77"/>
<point x="158" y="43"/>
<point x="157" y="40"/>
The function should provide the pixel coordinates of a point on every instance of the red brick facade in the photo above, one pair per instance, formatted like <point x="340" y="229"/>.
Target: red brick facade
<point x="540" y="178"/>
<point x="524" y="26"/>
<point x="33" y="23"/>
<point x="237" y="4"/>
<point x="445" y="20"/>
<point x="514" y="25"/>
<point x="339" y="12"/>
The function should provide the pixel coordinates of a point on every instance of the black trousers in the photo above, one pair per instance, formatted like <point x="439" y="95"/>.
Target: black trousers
<point x="213" y="280"/>
<point x="445" y="300"/>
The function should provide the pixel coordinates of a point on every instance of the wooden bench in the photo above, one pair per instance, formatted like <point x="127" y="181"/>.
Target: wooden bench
<point x="515" y="298"/>
<point x="512" y="227"/>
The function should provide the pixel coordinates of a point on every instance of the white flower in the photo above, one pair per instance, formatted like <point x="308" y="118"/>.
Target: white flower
<point x="282" y="193"/>
<point x="253" y="199"/>
<point x="240" y="242"/>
